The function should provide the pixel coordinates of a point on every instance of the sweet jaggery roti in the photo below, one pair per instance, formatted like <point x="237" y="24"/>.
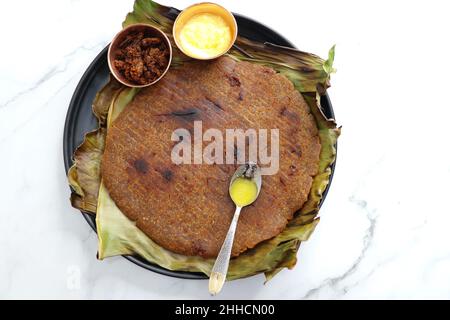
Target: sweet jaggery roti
<point x="186" y="208"/>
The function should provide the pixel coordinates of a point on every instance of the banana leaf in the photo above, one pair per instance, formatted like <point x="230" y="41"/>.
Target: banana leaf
<point x="119" y="236"/>
<point x="84" y="175"/>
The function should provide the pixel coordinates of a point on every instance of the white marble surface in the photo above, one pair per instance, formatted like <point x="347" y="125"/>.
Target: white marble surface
<point x="384" y="227"/>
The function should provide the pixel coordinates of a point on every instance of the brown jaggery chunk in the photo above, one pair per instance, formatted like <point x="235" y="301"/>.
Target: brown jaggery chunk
<point x="186" y="208"/>
<point x="141" y="60"/>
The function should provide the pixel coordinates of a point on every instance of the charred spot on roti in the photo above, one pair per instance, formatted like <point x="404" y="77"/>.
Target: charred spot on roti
<point x="296" y="150"/>
<point x="213" y="103"/>
<point x="167" y="174"/>
<point x="241" y="95"/>
<point x="291" y="115"/>
<point x="187" y="114"/>
<point x="234" y="80"/>
<point x="140" y="165"/>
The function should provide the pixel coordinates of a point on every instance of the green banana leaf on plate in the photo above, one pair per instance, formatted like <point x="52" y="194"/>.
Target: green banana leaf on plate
<point x="117" y="235"/>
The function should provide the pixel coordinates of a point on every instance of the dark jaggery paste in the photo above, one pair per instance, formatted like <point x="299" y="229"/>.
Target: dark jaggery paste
<point x="140" y="59"/>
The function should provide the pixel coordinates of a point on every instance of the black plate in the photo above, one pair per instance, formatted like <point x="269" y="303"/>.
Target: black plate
<point x="80" y="120"/>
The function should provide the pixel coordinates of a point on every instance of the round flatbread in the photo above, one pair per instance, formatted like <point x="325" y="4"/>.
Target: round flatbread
<point x="186" y="208"/>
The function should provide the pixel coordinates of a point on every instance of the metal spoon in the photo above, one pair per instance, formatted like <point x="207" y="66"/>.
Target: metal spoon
<point x="220" y="269"/>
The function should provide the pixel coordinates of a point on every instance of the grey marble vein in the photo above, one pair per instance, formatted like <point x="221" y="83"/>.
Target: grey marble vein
<point x="369" y="234"/>
<point x="53" y="71"/>
<point x="36" y="112"/>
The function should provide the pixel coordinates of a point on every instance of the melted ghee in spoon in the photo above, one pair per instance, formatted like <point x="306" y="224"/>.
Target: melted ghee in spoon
<point x="243" y="192"/>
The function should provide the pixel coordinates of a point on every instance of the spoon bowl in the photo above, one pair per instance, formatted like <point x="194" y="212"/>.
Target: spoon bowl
<point x="249" y="171"/>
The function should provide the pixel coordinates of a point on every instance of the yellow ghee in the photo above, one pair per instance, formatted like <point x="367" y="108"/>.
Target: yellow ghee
<point x="205" y="35"/>
<point x="243" y="191"/>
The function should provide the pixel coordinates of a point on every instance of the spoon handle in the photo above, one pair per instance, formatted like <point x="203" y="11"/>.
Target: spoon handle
<point x="219" y="271"/>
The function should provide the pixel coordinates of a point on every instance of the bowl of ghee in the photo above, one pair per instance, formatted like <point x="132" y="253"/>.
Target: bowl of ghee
<point x="205" y="31"/>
